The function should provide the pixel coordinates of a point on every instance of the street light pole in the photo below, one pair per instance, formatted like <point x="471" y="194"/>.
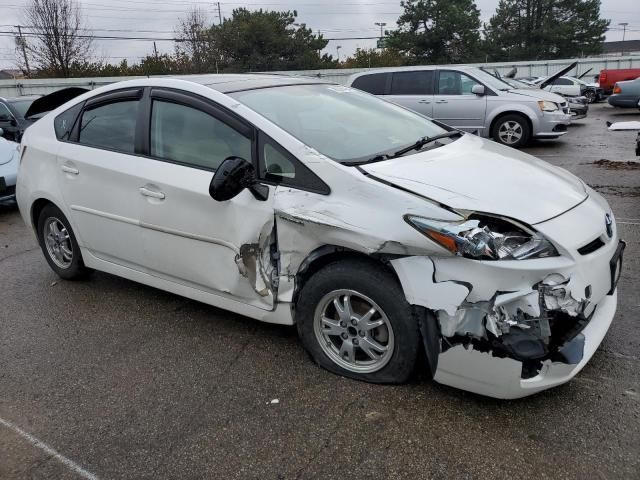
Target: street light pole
<point x="381" y="25"/>
<point x="624" y="31"/>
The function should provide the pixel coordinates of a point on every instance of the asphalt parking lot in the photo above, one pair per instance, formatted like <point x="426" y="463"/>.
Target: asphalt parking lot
<point x="111" y="379"/>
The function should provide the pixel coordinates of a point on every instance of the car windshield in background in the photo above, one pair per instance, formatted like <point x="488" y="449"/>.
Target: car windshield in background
<point x="21" y="106"/>
<point x="490" y="80"/>
<point x="342" y="123"/>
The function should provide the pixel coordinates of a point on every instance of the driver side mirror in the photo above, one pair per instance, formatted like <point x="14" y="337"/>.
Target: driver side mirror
<point x="234" y="175"/>
<point x="478" y="90"/>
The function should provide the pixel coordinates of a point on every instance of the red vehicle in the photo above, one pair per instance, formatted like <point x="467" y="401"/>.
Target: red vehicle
<point x="608" y="78"/>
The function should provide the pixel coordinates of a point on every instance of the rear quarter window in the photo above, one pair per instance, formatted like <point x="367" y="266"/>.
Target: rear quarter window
<point x="63" y="123"/>
<point x="374" y="83"/>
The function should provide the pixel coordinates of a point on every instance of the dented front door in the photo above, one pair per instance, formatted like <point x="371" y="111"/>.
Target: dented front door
<point x="218" y="247"/>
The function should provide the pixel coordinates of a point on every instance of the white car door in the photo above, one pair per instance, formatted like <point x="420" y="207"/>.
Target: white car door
<point x="98" y="175"/>
<point x="189" y="238"/>
<point x="413" y="90"/>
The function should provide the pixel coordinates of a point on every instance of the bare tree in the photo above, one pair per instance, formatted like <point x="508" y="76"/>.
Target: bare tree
<point x="56" y="42"/>
<point x="194" y="40"/>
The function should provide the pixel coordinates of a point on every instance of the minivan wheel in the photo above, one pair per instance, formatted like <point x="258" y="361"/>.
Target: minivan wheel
<point x="353" y="320"/>
<point x="59" y="244"/>
<point x="512" y="130"/>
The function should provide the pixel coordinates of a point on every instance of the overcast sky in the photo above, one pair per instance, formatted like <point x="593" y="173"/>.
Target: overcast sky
<point x="334" y="18"/>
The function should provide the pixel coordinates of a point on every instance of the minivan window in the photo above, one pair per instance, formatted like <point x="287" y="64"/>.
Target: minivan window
<point x="455" y="83"/>
<point x="111" y="126"/>
<point x="419" y="82"/>
<point x="186" y="135"/>
<point x="375" y="83"/>
<point x="340" y="122"/>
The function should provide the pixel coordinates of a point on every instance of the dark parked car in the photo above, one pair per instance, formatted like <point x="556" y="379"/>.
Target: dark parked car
<point x="12" y="116"/>
<point x="626" y="94"/>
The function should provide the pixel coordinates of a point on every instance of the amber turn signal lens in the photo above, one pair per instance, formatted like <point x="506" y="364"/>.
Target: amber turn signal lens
<point x="445" y="240"/>
<point x="617" y="89"/>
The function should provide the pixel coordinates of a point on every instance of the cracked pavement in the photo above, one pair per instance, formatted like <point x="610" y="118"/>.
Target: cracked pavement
<point x="131" y="382"/>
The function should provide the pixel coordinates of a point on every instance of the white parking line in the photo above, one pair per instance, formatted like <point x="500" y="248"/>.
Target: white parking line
<point x="48" y="450"/>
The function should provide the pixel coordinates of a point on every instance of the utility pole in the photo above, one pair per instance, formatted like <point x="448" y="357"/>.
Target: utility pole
<point x="338" y="52"/>
<point x="624" y="31"/>
<point x="155" y="51"/>
<point x="24" y="50"/>
<point x="381" y="25"/>
<point x="219" y="14"/>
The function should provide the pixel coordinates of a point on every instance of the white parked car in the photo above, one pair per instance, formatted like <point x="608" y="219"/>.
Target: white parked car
<point x="8" y="168"/>
<point x="376" y="231"/>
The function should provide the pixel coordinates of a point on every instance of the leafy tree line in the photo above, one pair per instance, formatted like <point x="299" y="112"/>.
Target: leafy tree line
<point x="427" y="32"/>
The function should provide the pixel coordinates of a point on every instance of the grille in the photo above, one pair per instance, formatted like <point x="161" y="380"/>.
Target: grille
<point x="591" y="246"/>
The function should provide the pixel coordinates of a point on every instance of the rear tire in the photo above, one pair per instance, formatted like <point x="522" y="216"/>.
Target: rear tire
<point x="59" y="244"/>
<point x="353" y="320"/>
<point x="512" y="130"/>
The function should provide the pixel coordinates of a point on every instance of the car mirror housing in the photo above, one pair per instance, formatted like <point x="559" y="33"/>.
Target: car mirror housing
<point x="234" y="175"/>
<point x="478" y="89"/>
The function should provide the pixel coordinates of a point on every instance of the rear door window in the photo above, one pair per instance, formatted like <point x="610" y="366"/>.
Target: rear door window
<point x="111" y="126"/>
<point x="418" y="82"/>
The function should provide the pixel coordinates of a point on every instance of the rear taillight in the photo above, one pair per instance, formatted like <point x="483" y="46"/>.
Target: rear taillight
<point x="617" y="89"/>
<point x="603" y="77"/>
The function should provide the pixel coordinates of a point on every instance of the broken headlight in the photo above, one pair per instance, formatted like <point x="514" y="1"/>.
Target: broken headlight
<point x="546" y="106"/>
<point x="484" y="237"/>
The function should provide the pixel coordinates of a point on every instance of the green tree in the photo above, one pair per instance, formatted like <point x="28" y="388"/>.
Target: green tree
<point x="374" y="58"/>
<point x="437" y="31"/>
<point x="267" y="40"/>
<point x="541" y="29"/>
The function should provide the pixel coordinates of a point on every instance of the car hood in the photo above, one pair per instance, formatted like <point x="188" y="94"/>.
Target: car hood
<point x="476" y="174"/>
<point x="7" y="150"/>
<point x="538" y="94"/>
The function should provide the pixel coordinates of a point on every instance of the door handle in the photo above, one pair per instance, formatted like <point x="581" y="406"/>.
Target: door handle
<point x="424" y="101"/>
<point x="442" y="101"/>
<point x="151" y="193"/>
<point x="71" y="170"/>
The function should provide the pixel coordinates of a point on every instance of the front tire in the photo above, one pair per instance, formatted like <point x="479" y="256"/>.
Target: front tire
<point x="59" y="244"/>
<point x="354" y="320"/>
<point x="591" y="96"/>
<point x="511" y="130"/>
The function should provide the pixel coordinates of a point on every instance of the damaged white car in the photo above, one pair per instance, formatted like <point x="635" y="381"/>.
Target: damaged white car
<point x="377" y="231"/>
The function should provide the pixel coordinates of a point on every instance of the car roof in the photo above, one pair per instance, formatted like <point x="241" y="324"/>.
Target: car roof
<point x="230" y="82"/>
<point x="413" y="68"/>
<point x="21" y="98"/>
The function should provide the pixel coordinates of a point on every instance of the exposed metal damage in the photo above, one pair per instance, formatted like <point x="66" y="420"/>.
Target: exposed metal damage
<point x="529" y="324"/>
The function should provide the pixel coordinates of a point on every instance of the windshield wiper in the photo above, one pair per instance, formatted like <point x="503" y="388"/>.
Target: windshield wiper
<point x="424" y="141"/>
<point x="416" y="146"/>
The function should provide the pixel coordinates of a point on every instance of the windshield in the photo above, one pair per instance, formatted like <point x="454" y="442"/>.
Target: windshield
<point x="490" y="80"/>
<point x="21" y="106"/>
<point x="342" y="123"/>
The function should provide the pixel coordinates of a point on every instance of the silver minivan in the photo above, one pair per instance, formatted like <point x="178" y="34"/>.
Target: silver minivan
<point x="472" y="100"/>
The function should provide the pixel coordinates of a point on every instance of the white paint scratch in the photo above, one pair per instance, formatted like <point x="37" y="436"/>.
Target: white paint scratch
<point x="48" y="450"/>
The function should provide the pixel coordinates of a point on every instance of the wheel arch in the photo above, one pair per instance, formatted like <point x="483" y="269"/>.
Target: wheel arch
<point x="495" y="119"/>
<point x="428" y="326"/>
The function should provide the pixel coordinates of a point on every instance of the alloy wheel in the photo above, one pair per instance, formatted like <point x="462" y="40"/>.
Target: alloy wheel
<point x="353" y="331"/>
<point x="58" y="242"/>
<point x="510" y="132"/>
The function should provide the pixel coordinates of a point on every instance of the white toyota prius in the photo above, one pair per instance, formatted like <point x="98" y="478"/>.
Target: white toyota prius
<point x="375" y="230"/>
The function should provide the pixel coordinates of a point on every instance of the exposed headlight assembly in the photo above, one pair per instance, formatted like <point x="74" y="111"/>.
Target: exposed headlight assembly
<point x="546" y="106"/>
<point x="483" y="237"/>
